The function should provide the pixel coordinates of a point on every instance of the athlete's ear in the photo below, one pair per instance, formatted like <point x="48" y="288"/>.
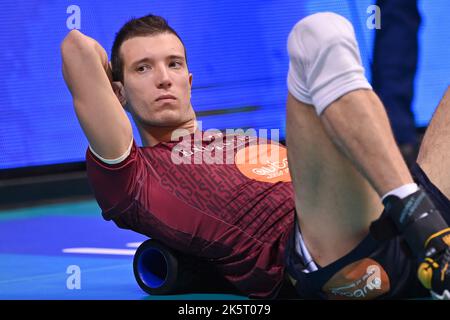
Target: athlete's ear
<point x="190" y="79"/>
<point x="119" y="90"/>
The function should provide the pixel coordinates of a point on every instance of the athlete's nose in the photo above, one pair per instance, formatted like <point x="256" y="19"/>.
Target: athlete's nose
<point x="164" y="81"/>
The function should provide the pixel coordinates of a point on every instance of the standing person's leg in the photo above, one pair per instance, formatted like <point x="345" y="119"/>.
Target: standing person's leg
<point x="394" y="68"/>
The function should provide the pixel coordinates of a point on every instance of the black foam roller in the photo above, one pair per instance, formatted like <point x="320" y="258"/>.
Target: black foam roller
<point x="160" y="270"/>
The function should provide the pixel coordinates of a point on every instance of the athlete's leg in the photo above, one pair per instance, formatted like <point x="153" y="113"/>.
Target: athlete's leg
<point x="329" y="189"/>
<point x="434" y="153"/>
<point x="325" y="73"/>
<point x="434" y="161"/>
<point x="329" y="149"/>
<point x="359" y="124"/>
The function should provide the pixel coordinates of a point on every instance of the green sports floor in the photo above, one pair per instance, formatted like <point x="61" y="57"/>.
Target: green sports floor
<point x="67" y="251"/>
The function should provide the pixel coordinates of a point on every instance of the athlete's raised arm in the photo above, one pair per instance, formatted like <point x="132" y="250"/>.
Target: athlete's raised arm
<point x="88" y="76"/>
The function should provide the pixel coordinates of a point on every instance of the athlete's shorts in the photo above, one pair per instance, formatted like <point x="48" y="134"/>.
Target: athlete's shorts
<point x="372" y="270"/>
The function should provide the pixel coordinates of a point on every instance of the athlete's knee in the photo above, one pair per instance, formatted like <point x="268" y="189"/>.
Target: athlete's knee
<point x="325" y="62"/>
<point x="320" y="30"/>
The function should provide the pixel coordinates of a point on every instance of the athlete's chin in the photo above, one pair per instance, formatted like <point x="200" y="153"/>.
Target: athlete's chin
<point x="167" y="118"/>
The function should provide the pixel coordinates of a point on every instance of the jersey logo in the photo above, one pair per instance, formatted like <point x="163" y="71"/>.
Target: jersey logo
<point x="264" y="162"/>
<point x="362" y="280"/>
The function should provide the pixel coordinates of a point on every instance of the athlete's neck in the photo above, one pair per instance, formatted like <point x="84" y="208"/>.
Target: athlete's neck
<point x="151" y="136"/>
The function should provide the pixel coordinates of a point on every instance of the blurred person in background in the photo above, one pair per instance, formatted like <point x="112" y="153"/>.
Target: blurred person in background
<point x="394" y="66"/>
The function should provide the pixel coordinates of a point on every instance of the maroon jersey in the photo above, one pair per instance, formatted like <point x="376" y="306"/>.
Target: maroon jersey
<point x="207" y="198"/>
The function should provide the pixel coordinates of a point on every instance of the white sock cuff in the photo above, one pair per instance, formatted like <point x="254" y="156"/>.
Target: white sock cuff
<point x="403" y="191"/>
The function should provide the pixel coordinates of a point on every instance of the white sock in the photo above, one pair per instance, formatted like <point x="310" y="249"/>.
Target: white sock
<point x="403" y="191"/>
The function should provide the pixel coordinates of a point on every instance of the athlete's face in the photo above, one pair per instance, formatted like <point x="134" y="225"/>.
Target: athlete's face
<point x="157" y="83"/>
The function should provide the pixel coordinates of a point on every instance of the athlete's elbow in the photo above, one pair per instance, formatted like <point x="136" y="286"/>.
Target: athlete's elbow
<point x="75" y="43"/>
<point x="70" y="41"/>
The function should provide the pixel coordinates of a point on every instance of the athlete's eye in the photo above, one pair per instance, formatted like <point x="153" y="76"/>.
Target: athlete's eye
<point x="142" y="68"/>
<point x="176" y="64"/>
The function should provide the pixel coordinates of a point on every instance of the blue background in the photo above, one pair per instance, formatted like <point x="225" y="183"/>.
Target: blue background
<point x="236" y="51"/>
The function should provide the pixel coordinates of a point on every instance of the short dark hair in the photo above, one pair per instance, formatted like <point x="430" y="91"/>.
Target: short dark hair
<point x="145" y="26"/>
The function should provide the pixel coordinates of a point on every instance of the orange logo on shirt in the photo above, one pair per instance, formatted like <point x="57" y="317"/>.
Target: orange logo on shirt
<point x="364" y="279"/>
<point x="264" y="162"/>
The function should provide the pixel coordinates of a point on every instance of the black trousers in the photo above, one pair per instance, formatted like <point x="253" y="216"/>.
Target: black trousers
<point x="395" y="62"/>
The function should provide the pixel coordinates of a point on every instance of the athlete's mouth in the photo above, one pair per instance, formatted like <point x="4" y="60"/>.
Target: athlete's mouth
<point x="165" y="97"/>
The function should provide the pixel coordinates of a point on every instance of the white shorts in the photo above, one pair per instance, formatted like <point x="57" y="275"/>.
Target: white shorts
<point x="303" y="252"/>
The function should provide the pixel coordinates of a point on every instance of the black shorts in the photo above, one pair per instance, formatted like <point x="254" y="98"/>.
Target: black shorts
<point x="372" y="270"/>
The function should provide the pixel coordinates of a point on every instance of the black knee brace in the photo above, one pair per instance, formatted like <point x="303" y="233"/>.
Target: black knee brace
<point x="417" y="221"/>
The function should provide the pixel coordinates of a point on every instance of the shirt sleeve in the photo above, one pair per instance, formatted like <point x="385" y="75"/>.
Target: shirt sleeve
<point x="114" y="185"/>
<point x="113" y="161"/>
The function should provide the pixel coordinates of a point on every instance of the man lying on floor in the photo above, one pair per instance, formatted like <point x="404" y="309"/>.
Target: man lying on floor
<point x="246" y="217"/>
